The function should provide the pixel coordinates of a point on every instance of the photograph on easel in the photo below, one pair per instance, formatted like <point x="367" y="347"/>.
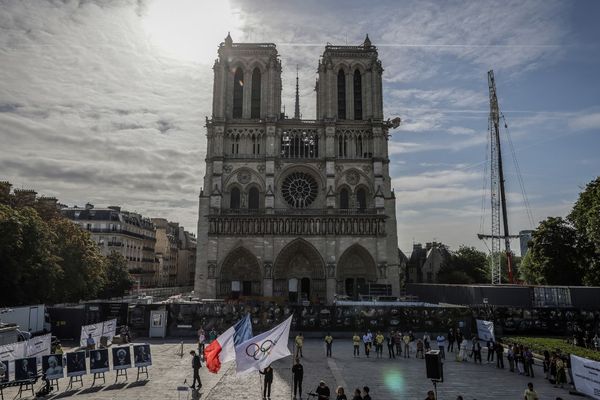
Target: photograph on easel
<point x="121" y="357"/>
<point x="52" y="365"/>
<point x="76" y="364"/>
<point x="99" y="361"/>
<point x="141" y="355"/>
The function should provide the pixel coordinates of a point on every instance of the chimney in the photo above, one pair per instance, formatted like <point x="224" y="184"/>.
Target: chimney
<point x="5" y="192"/>
<point x="24" y="197"/>
<point x="89" y="206"/>
<point x="115" y="208"/>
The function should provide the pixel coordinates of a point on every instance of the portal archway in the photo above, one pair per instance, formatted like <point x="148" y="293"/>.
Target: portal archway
<point x="299" y="261"/>
<point x="240" y="275"/>
<point x="355" y="270"/>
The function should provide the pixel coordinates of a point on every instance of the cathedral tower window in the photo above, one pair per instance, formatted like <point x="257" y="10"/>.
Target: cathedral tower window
<point x="342" y="146"/>
<point x="253" y="199"/>
<point x="255" y="103"/>
<point x="238" y="93"/>
<point x="361" y="199"/>
<point x="235" y="144"/>
<point x="344" y="203"/>
<point x="234" y="199"/>
<point x="255" y="144"/>
<point x="357" y="95"/>
<point x="299" y="144"/>
<point x="341" y="92"/>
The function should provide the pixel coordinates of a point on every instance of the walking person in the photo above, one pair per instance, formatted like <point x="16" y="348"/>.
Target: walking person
<point x="379" y="339"/>
<point x="340" y="395"/>
<point x="390" y="345"/>
<point x="451" y="339"/>
<point x="298" y="375"/>
<point x="462" y="353"/>
<point x="196" y="365"/>
<point x="328" y="344"/>
<point x="420" y="347"/>
<point x="201" y="341"/>
<point x="499" y="355"/>
<point x="529" y="393"/>
<point x="406" y="340"/>
<point x="546" y="364"/>
<point x="476" y="349"/>
<point x="426" y="341"/>
<point x="561" y="376"/>
<point x="398" y="343"/>
<point x="357" y="395"/>
<point x="268" y="373"/>
<point x="519" y="359"/>
<point x="299" y="341"/>
<point x="356" y="344"/>
<point x="490" y="349"/>
<point x="441" y="342"/>
<point x="367" y="341"/>
<point x="366" y="395"/>
<point x="510" y="356"/>
<point x="528" y="362"/>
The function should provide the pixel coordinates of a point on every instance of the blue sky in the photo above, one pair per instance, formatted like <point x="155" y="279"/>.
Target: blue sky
<point x="104" y="101"/>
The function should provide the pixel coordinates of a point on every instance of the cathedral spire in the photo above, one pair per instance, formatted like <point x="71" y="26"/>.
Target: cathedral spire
<point x="297" y="104"/>
<point x="367" y="42"/>
<point x="228" y="40"/>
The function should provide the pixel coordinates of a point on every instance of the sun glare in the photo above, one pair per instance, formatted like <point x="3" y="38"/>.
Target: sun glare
<point x="190" y="30"/>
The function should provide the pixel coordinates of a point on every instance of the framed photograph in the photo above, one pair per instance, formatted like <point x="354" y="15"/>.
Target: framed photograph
<point x="99" y="360"/>
<point x="52" y="366"/>
<point x="4" y="370"/>
<point x="121" y="357"/>
<point x="141" y="354"/>
<point x="25" y="369"/>
<point x="76" y="363"/>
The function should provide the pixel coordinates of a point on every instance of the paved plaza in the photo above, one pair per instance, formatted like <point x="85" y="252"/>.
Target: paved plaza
<point x="388" y="379"/>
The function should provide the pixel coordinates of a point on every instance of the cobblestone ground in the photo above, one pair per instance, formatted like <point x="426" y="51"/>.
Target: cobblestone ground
<point x="388" y="379"/>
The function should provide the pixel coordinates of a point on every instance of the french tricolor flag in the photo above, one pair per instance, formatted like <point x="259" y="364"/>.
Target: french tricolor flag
<point x="222" y="349"/>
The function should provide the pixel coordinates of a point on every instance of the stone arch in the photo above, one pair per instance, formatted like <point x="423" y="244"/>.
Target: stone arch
<point x="254" y="178"/>
<point x="238" y="92"/>
<point x="309" y="169"/>
<point x="240" y="265"/>
<point x="355" y="269"/>
<point x="299" y="260"/>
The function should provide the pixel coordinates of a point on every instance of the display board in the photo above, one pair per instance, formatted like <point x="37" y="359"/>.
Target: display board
<point x="585" y="376"/>
<point x="52" y="366"/>
<point x="39" y="346"/>
<point x="105" y="328"/>
<point x="99" y="361"/>
<point x="25" y="369"/>
<point x="4" y="371"/>
<point x="121" y="357"/>
<point x="13" y="351"/>
<point x="76" y="363"/>
<point x="141" y="355"/>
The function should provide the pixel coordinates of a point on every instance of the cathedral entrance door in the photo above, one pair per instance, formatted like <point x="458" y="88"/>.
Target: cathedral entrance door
<point x="305" y="288"/>
<point x="246" y="288"/>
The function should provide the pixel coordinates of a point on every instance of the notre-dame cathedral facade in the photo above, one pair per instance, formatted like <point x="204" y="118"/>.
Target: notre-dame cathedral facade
<point x="297" y="209"/>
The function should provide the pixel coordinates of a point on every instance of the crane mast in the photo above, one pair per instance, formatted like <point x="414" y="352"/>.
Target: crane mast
<point x="498" y="194"/>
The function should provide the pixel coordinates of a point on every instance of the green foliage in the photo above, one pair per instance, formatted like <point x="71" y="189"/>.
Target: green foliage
<point x="538" y="345"/>
<point x="466" y="265"/>
<point x="118" y="279"/>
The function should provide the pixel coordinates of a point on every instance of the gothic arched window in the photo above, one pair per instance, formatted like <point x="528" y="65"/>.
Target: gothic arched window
<point x="255" y="144"/>
<point x="255" y="102"/>
<point x="357" y="95"/>
<point x="238" y="93"/>
<point x="234" y="199"/>
<point x="341" y="92"/>
<point x="361" y="199"/>
<point x="344" y="199"/>
<point x="253" y="199"/>
<point x="235" y="144"/>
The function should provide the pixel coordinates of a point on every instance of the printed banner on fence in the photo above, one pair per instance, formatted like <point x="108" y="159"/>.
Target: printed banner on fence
<point x="13" y="351"/>
<point x="586" y="376"/>
<point x="485" y="330"/>
<point x="39" y="346"/>
<point x="105" y="328"/>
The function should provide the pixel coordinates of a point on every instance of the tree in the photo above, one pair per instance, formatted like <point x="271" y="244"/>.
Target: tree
<point x="118" y="279"/>
<point x="466" y="265"/>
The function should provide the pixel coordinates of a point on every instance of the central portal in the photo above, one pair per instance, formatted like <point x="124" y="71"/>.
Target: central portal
<point x="301" y="261"/>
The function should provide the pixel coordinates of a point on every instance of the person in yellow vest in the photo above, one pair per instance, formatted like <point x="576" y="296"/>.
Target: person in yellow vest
<point x="299" y="343"/>
<point x="406" y="340"/>
<point x="328" y="343"/>
<point x="379" y="338"/>
<point x="356" y="344"/>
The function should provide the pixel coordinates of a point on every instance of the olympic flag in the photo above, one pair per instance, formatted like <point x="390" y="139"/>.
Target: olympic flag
<point x="261" y="350"/>
<point x="222" y="349"/>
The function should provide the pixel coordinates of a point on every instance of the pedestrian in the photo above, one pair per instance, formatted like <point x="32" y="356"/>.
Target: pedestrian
<point x="268" y="373"/>
<point x="298" y="375"/>
<point x="323" y="391"/>
<point x="398" y="343"/>
<point x="546" y="363"/>
<point x="366" y="395"/>
<point x="426" y="341"/>
<point x="528" y="362"/>
<point x="201" y="341"/>
<point x="499" y="348"/>
<point x="390" y="345"/>
<point x="356" y="344"/>
<point x="406" y="340"/>
<point x="430" y="395"/>
<point x="519" y="360"/>
<point x="561" y="376"/>
<point x="90" y="342"/>
<point x="462" y="353"/>
<point x="212" y="335"/>
<point x="451" y="339"/>
<point x="420" y="349"/>
<point x="379" y="339"/>
<point x="441" y="342"/>
<point x="367" y="341"/>
<point x="196" y="365"/>
<point x="299" y="343"/>
<point x="530" y="394"/>
<point x="459" y="336"/>
<point x="328" y="344"/>
<point x="510" y="356"/>
<point x="340" y="395"/>
<point x="357" y="395"/>
<point x="490" y="349"/>
<point x="476" y="350"/>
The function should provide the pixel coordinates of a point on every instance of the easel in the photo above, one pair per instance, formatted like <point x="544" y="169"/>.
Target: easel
<point x="121" y="372"/>
<point x="99" y="375"/>
<point x="73" y="379"/>
<point x="54" y="382"/>
<point x="28" y="386"/>
<point x="142" y="370"/>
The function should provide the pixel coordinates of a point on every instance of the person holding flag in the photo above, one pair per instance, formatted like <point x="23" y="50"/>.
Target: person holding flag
<point x="222" y="349"/>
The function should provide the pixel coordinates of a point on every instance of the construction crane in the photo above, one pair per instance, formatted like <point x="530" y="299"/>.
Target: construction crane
<point x="498" y="194"/>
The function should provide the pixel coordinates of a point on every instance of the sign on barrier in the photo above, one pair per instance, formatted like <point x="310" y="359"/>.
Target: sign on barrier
<point x="106" y="328"/>
<point x="586" y="376"/>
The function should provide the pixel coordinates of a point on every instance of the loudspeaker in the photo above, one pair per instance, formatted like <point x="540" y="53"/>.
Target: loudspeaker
<point x="433" y="364"/>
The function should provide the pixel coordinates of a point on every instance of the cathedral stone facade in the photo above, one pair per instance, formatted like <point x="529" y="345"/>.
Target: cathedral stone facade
<point x="297" y="209"/>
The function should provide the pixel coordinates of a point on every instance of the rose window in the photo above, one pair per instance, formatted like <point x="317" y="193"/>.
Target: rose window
<point x="299" y="189"/>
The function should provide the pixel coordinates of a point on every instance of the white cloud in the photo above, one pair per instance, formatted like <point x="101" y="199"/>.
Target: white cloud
<point x="586" y="122"/>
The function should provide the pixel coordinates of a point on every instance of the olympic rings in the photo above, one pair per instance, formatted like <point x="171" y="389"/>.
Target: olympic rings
<point x="260" y="351"/>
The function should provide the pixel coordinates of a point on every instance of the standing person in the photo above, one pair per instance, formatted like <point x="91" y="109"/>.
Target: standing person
<point x="420" y="349"/>
<point x="530" y="394"/>
<point x="528" y="362"/>
<point x="499" y="355"/>
<point x="323" y="391"/>
<point x="356" y="344"/>
<point x="476" y="350"/>
<point x="340" y="395"/>
<point x="519" y="359"/>
<point x="451" y="339"/>
<point x="328" y="344"/>
<point x="426" y="341"/>
<point x="379" y="339"/>
<point x="462" y="353"/>
<point x="430" y="395"/>
<point x="561" y="376"/>
<point x="268" y="373"/>
<point x="546" y="363"/>
<point x="212" y="335"/>
<point x="441" y="342"/>
<point x="510" y="356"/>
<point x="459" y="337"/>
<point x="201" y="341"/>
<point x="398" y="343"/>
<point x="357" y="395"/>
<point x="91" y="343"/>
<point x="196" y="364"/>
<point x="298" y="374"/>
<point x="366" y="395"/>
<point x="367" y="340"/>
<point x="406" y="340"/>
<point x="490" y="349"/>
<point x="390" y="345"/>
<point x="299" y="343"/>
